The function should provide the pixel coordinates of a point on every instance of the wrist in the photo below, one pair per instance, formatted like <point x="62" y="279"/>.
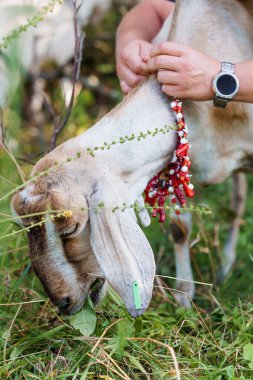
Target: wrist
<point x="213" y="72"/>
<point x="244" y="71"/>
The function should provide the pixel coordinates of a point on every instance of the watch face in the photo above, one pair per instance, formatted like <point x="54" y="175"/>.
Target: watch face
<point x="226" y="84"/>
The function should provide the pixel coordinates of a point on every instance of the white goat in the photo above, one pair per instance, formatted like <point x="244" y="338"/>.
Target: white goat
<point x="53" y="38"/>
<point x="69" y="254"/>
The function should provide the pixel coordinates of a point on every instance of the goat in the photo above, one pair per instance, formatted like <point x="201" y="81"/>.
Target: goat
<point x="70" y="254"/>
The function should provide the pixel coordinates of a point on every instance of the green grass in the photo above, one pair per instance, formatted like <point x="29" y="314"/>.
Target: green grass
<point x="211" y="341"/>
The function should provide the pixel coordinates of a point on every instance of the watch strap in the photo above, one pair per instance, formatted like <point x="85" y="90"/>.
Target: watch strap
<point x="220" y="102"/>
<point x="228" y="67"/>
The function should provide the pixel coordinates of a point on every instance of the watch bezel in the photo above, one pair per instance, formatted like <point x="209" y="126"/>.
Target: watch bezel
<point x="220" y="94"/>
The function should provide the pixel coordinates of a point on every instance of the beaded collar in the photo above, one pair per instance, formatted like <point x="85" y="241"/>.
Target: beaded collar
<point x="174" y="180"/>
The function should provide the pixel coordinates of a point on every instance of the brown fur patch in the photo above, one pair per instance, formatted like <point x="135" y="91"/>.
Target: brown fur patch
<point x="248" y="4"/>
<point x="179" y="232"/>
<point x="234" y="115"/>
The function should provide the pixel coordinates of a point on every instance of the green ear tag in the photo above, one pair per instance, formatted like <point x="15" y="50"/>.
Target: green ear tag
<point x="137" y="296"/>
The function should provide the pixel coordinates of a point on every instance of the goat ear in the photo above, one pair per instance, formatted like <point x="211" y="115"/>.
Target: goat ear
<point x="121" y="248"/>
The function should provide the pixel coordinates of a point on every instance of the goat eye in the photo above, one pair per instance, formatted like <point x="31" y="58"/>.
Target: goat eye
<point x="71" y="230"/>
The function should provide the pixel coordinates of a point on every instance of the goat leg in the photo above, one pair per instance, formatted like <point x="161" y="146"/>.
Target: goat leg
<point x="238" y="201"/>
<point x="185" y="287"/>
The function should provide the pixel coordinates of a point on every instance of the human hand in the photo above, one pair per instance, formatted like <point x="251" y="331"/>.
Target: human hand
<point x="131" y="64"/>
<point x="184" y="72"/>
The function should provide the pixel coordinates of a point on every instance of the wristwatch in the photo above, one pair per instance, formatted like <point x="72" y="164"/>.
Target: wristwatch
<point x="225" y="85"/>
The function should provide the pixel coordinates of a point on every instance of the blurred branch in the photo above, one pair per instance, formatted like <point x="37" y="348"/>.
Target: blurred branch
<point x="97" y="88"/>
<point x="26" y="160"/>
<point x="105" y="37"/>
<point x="29" y="159"/>
<point x="100" y="89"/>
<point x="6" y="148"/>
<point x="59" y="125"/>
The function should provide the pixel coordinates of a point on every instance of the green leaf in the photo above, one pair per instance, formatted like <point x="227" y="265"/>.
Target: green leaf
<point x="15" y="353"/>
<point x="119" y="342"/>
<point x="230" y="372"/>
<point x="6" y="334"/>
<point x="135" y="362"/>
<point x="85" y="320"/>
<point x="248" y="352"/>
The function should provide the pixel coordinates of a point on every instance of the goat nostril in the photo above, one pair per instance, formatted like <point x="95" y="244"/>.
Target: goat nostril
<point x="63" y="303"/>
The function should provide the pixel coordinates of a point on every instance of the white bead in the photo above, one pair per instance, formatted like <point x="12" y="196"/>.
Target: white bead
<point x="172" y="171"/>
<point x="172" y="197"/>
<point x="173" y="104"/>
<point x="190" y="186"/>
<point x="177" y="207"/>
<point x="183" y="141"/>
<point x="180" y="133"/>
<point x="171" y="190"/>
<point x="184" y="169"/>
<point x="179" y="116"/>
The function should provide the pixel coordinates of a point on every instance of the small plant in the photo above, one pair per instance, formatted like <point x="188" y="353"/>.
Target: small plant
<point x="31" y="22"/>
<point x="128" y="138"/>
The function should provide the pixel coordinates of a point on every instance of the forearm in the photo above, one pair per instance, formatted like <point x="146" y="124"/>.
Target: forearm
<point x="142" y="22"/>
<point x="244" y="72"/>
<point x="188" y="73"/>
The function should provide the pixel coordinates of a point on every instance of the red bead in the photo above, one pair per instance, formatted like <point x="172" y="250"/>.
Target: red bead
<point x="179" y="180"/>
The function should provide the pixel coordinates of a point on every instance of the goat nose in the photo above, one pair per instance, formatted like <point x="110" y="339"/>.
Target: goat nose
<point x="63" y="304"/>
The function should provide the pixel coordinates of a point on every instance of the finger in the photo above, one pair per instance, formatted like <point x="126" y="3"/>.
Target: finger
<point x="163" y="62"/>
<point x="171" y="90"/>
<point x="131" y="79"/>
<point x="136" y="65"/>
<point x="169" y="48"/>
<point x="145" y="52"/>
<point x="139" y="68"/>
<point x="168" y="77"/>
<point x="125" y="88"/>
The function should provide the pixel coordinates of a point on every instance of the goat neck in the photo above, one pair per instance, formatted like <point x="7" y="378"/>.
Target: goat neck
<point x="136" y="161"/>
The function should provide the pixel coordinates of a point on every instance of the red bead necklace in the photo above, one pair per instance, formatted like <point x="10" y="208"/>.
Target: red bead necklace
<point x="173" y="181"/>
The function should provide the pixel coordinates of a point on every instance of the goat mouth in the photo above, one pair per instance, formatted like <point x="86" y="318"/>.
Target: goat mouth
<point x="68" y="307"/>
<point x="95" y="290"/>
